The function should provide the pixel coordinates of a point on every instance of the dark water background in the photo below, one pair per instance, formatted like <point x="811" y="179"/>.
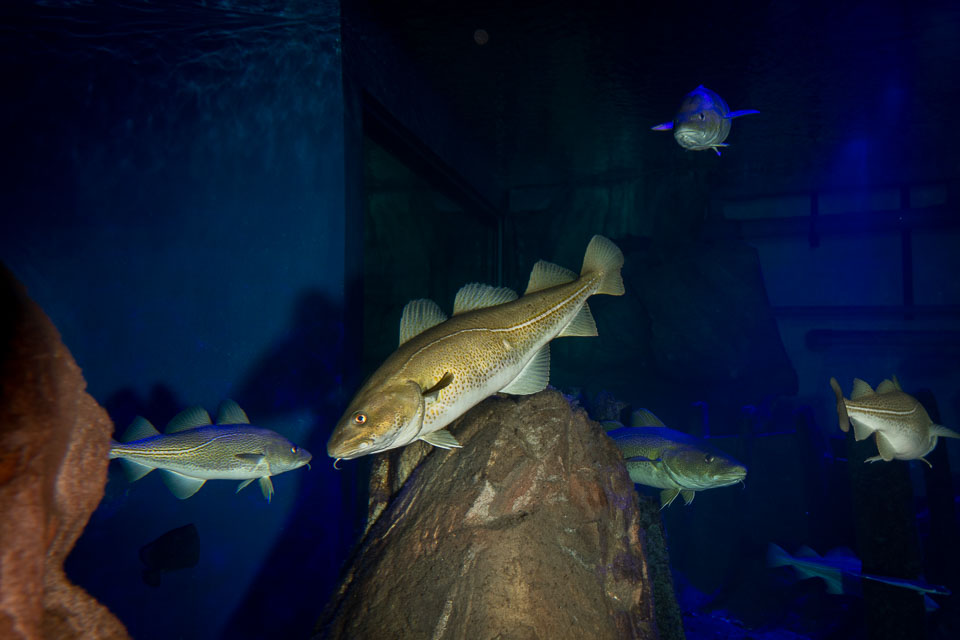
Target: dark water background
<point x="215" y="199"/>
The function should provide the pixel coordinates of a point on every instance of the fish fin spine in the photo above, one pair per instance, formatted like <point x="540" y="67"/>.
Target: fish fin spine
<point x="604" y="257"/>
<point x="480" y="296"/>
<point x="582" y="325"/>
<point x="534" y="377"/>
<point x="418" y="316"/>
<point x="139" y="429"/>
<point x="189" y="418"/>
<point x="645" y="418"/>
<point x="546" y="274"/>
<point x="441" y="438"/>
<point x="231" y="413"/>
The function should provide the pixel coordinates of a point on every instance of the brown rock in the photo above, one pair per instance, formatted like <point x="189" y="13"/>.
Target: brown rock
<point x="531" y="530"/>
<point x="54" y="440"/>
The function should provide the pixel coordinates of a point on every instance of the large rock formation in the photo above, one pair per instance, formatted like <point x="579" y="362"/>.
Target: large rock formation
<point x="54" y="440"/>
<point x="531" y="530"/>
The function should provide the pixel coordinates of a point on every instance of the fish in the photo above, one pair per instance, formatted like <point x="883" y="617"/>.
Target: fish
<point x="904" y="430"/>
<point x="174" y="550"/>
<point x="839" y="567"/>
<point x="702" y="121"/>
<point x="194" y="450"/>
<point x="678" y="463"/>
<point x="494" y="342"/>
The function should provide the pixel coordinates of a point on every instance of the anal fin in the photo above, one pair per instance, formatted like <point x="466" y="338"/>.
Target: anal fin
<point x="582" y="324"/>
<point x="884" y="447"/>
<point x="180" y="485"/>
<point x="535" y="375"/>
<point x="134" y="470"/>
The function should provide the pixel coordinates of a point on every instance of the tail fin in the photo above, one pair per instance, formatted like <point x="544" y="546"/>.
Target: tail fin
<point x="604" y="257"/>
<point x="841" y="406"/>
<point x="777" y="557"/>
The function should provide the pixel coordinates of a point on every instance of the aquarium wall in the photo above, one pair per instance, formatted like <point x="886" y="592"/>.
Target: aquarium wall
<point x="174" y="198"/>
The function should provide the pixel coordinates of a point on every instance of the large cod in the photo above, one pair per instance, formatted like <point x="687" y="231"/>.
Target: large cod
<point x="494" y="342"/>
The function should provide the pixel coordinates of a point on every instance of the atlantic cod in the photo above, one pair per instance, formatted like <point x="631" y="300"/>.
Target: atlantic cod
<point x="702" y="121"/>
<point x="839" y="564"/>
<point x="680" y="464"/>
<point x="904" y="430"/>
<point x="494" y="342"/>
<point x="193" y="450"/>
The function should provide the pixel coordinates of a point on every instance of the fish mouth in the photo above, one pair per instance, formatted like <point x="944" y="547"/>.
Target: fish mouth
<point x="353" y="448"/>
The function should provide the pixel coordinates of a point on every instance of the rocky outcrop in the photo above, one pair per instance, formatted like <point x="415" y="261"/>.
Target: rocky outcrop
<point x="531" y="530"/>
<point x="54" y="440"/>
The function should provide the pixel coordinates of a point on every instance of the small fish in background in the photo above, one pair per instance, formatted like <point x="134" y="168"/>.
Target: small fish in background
<point x="839" y="564"/>
<point x="494" y="342"/>
<point x="194" y="450"/>
<point x="903" y="429"/>
<point x="703" y="121"/>
<point x="174" y="550"/>
<point x="680" y="464"/>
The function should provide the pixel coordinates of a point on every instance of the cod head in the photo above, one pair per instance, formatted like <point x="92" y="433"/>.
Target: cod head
<point x="282" y="455"/>
<point x="700" y="469"/>
<point x="378" y="419"/>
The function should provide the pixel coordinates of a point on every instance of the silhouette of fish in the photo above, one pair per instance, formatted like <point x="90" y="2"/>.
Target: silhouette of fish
<point x="174" y="550"/>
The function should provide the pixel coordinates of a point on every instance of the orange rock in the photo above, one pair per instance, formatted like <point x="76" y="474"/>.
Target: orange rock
<point x="54" y="440"/>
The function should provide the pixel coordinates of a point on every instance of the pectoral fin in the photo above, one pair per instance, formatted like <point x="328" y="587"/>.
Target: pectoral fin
<point x="667" y="496"/>
<point x="441" y="438"/>
<point x="181" y="486"/>
<point x="943" y="432"/>
<point x="435" y="389"/>
<point x="252" y="458"/>
<point x="266" y="486"/>
<point x="666" y="126"/>
<point x="885" y="448"/>
<point x="741" y="112"/>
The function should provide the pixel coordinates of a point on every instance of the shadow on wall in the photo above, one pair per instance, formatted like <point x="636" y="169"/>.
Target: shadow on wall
<point x="274" y="564"/>
<point x="304" y="370"/>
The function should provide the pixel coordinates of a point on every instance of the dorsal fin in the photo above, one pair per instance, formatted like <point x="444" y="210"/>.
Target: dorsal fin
<point x="886" y="386"/>
<point x="139" y="429"/>
<point x="645" y="418"/>
<point x="546" y="274"/>
<point x="806" y="552"/>
<point x="418" y="316"/>
<point x="190" y="418"/>
<point x="480" y="296"/>
<point x="896" y="383"/>
<point x="860" y="389"/>
<point x="231" y="413"/>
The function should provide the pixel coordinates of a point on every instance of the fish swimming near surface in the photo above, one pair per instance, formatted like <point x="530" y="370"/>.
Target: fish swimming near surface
<point x="175" y="550"/>
<point x="680" y="464"/>
<point x="494" y="342"/>
<point x="193" y="450"/>
<point x="841" y="570"/>
<point x="903" y="429"/>
<point x="703" y="121"/>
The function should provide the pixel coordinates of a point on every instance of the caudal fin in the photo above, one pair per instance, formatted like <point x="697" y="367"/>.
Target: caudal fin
<point x="841" y="406"/>
<point x="604" y="257"/>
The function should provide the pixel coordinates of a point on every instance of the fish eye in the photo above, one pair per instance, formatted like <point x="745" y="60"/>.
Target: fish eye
<point x="293" y="449"/>
<point x="701" y="116"/>
<point x="708" y="458"/>
<point x="359" y="417"/>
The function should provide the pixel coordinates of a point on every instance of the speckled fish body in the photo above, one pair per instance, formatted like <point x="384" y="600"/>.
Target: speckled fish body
<point x="438" y="374"/>
<point x="193" y="450"/>
<point x="657" y="456"/>
<point x="904" y="430"/>
<point x="702" y="121"/>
